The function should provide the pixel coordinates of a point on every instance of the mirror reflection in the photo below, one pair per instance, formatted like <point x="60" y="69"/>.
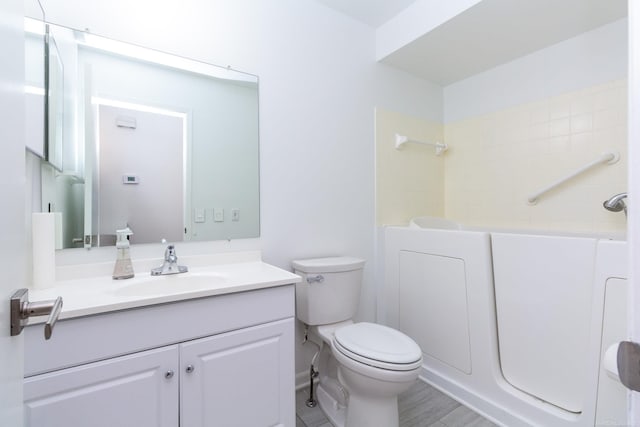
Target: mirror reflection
<point x="162" y="144"/>
<point x="54" y="101"/>
<point x="44" y="91"/>
<point x="35" y="55"/>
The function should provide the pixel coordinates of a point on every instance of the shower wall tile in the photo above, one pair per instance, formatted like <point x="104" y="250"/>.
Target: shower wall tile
<point x="497" y="160"/>
<point x="409" y="181"/>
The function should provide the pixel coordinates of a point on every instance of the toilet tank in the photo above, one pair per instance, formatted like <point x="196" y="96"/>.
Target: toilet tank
<point x="330" y="289"/>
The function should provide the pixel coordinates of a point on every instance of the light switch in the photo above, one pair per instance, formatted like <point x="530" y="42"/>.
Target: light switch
<point x="218" y="214"/>
<point x="235" y="214"/>
<point x="199" y="215"/>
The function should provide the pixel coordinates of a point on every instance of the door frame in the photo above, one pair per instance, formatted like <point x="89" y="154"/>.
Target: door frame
<point x="633" y="225"/>
<point x="13" y="249"/>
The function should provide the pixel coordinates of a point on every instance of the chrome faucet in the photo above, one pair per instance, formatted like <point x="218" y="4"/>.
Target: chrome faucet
<point x="616" y="203"/>
<point x="170" y="264"/>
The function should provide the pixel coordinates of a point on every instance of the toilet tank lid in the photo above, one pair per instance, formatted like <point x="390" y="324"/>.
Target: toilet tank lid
<point x="328" y="265"/>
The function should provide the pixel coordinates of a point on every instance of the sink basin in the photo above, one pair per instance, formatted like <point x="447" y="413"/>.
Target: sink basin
<point x="169" y="284"/>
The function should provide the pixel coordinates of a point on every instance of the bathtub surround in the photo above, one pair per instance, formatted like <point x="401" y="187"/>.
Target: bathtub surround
<point x="499" y="159"/>
<point x="408" y="180"/>
<point x="524" y="124"/>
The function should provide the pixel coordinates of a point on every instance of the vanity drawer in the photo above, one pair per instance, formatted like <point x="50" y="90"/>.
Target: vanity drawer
<point x="92" y="338"/>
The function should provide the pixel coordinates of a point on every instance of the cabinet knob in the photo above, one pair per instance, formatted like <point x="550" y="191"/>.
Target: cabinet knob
<point x="168" y="374"/>
<point x="190" y="369"/>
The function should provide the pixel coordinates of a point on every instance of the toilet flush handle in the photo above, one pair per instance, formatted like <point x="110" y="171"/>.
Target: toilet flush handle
<point x="315" y="279"/>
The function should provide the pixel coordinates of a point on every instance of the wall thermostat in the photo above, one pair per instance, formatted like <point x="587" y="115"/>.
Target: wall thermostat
<point x="130" y="179"/>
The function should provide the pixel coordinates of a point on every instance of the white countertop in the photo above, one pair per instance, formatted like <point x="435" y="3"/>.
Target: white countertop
<point x="100" y="294"/>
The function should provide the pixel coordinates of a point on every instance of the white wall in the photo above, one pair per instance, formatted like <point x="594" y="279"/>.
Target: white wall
<point x="319" y="84"/>
<point x="591" y="58"/>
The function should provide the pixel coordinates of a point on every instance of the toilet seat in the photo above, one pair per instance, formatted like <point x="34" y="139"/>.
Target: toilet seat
<point x="378" y="346"/>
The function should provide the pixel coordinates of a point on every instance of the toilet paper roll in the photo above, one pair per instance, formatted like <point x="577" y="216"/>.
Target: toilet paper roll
<point x="43" y="232"/>
<point x="611" y="361"/>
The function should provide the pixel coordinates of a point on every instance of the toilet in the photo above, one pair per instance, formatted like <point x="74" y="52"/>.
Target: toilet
<point x="362" y="367"/>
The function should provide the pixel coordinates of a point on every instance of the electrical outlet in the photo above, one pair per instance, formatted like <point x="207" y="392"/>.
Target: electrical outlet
<point x="218" y="214"/>
<point x="199" y="215"/>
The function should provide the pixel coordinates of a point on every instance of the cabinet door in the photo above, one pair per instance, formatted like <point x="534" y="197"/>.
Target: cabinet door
<point x="135" y="390"/>
<point x="241" y="378"/>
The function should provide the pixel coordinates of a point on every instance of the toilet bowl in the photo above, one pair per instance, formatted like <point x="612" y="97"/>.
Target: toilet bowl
<point x="362" y="367"/>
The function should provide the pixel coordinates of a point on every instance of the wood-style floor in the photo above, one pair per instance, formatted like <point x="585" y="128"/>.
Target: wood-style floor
<point x="420" y="406"/>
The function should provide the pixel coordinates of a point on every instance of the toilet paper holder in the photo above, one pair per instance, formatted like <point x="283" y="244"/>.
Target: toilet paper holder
<point x="622" y="363"/>
<point x="22" y="310"/>
<point x="628" y="364"/>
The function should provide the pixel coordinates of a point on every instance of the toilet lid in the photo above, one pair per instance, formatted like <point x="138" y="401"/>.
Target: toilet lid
<point x="378" y="345"/>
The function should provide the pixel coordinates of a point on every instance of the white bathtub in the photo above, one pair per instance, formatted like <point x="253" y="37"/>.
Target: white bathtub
<point x="513" y="325"/>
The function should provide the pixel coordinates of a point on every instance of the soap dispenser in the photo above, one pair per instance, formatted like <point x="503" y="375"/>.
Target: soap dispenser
<point x="124" y="267"/>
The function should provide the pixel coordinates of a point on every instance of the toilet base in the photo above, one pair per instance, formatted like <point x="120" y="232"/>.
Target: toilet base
<point x="335" y="413"/>
<point x="354" y="394"/>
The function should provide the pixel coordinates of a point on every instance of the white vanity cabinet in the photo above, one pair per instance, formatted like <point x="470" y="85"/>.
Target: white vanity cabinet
<point x="219" y="361"/>
<point x="236" y="379"/>
<point x="125" y="391"/>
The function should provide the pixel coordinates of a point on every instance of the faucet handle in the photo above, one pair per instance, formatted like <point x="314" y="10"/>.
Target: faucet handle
<point x="170" y="264"/>
<point x="170" y="253"/>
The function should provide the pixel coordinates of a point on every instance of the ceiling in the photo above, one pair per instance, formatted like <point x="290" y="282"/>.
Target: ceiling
<point x="371" y="12"/>
<point x="486" y="35"/>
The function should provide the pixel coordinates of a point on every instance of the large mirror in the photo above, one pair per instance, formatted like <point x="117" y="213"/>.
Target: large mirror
<point x="54" y="101"/>
<point x="35" y="58"/>
<point x="44" y="76"/>
<point x="161" y="144"/>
